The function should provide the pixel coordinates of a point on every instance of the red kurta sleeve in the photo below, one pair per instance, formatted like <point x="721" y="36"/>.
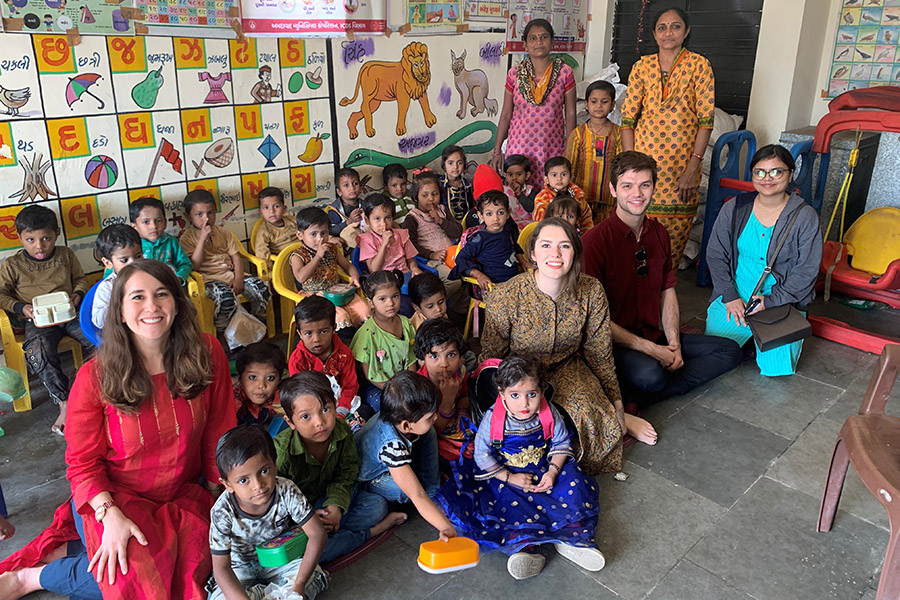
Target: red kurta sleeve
<point x="86" y="437"/>
<point x="220" y="408"/>
<point x="349" y="382"/>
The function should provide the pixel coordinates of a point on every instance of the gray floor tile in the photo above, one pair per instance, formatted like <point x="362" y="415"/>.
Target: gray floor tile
<point x="849" y="402"/>
<point x="832" y="363"/>
<point x="782" y="405"/>
<point x="647" y="524"/>
<point x="31" y="512"/>
<point x="767" y="546"/>
<point x="804" y="467"/>
<point x="490" y="581"/>
<point x="662" y="411"/>
<point x="390" y="572"/>
<point x="687" y="580"/>
<point x="709" y="453"/>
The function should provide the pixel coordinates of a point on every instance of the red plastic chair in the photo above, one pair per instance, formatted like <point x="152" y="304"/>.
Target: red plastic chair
<point x="870" y="441"/>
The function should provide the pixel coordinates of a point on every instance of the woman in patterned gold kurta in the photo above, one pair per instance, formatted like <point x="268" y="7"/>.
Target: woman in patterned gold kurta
<point x="668" y="114"/>
<point x="562" y="317"/>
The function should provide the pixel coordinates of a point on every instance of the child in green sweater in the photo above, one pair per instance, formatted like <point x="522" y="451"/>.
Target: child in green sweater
<point x="148" y="216"/>
<point x="319" y="455"/>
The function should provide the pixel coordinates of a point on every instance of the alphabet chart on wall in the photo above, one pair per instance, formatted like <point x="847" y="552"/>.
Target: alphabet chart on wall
<point x="85" y="129"/>
<point x="168" y="16"/>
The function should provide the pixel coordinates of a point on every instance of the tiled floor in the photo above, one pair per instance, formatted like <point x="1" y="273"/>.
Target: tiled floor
<point x="723" y="508"/>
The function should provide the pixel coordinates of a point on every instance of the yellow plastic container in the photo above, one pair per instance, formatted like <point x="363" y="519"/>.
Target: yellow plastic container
<point x="443" y="557"/>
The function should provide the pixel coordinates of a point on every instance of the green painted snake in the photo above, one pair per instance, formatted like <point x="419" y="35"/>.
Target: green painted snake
<point x="369" y="156"/>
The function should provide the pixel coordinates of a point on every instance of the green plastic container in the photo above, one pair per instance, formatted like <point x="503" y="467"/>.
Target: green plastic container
<point x="340" y="293"/>
<point x="278" y="552"/>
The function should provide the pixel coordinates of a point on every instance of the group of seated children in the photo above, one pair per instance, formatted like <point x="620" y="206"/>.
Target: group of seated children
<point x="518" y="458"/>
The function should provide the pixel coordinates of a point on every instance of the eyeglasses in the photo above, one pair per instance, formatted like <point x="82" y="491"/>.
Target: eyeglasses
<point x="641" y="258"/>
<point x="772" y="173"/>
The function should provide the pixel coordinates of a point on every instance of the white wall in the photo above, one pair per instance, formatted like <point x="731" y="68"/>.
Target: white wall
<point x="792" y="66"/>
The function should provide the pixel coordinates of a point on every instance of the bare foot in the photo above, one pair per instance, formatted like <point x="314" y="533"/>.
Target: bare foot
<point x="7" y="530"/>
<point x="392" y="519"/>
<point x="15" y="584"/>
<point x="640" y="429"/>
<point x="60" y="423"/>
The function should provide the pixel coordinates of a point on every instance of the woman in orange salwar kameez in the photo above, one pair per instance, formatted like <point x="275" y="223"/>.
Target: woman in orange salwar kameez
<point x="135" y="462"/>
<point x="668" y="114"/>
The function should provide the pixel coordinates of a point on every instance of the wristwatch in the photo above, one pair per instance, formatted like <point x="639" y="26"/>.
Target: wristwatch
<point x="101" y="510"/>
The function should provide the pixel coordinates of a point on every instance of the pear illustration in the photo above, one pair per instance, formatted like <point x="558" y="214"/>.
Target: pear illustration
<point x="314" y="148"/>
<point x="145" y="93"/>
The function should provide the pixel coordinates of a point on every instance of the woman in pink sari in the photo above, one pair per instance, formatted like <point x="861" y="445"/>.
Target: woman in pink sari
<point x="144" y="420"/>
<point x="539" y="105"/>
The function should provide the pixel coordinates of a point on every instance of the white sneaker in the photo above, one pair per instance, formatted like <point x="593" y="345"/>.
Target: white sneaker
<point x="589" y="559"/>
<point x="523" y="565"/>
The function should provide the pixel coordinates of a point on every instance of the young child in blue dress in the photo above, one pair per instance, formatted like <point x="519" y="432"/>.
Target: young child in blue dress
<point x="524" y="487"/>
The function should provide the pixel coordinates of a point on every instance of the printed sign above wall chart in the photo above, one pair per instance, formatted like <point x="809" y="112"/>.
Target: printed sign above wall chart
<point x="866" y="50"/>
<point x="312" y="18"/>
<point x="86" y="129"/>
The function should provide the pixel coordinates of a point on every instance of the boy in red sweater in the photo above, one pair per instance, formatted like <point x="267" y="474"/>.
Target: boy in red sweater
<point x="320" y="349"/>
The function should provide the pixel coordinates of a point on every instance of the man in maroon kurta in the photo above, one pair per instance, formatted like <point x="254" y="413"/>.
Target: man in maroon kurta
<point x="630" y="254"/>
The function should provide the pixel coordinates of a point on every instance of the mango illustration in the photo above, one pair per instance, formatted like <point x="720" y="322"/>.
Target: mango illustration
<point x="145" y="93"/>
<point x="314" y="148"/>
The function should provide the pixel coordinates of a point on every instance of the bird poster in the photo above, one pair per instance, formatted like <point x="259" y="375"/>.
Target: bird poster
<point x="866" y="51"/>
<point x="60" y="16"/>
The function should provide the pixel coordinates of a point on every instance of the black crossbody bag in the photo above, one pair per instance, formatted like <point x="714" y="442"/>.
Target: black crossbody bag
<point x="781" y="325"/>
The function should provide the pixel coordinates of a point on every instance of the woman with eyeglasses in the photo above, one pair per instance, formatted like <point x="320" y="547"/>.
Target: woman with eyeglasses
<point x="668" y="114"/>
<point x="539" y="105"/>
<point x="561" y="316"/>
<point x="743" y="242"/>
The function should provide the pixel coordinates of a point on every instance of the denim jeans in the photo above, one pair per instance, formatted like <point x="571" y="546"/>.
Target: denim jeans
<point x="69" y="576"/>
<point x="41" y="347"/>
<point x="366" y="510"/>
<point x="645" y="381"/>
<point x="424" y="465"/>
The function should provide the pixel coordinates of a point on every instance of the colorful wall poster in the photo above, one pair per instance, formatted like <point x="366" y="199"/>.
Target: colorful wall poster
<point x="175" y="17"/>
<point x="85" y="129"/>
<point x="485" y="10"/>
<point x="568" y="18"/>
<point x="403" y="101"/>
<point x="866" y="52"/>
<point x="313" y="18"/>
<point x="433" y="17"/>
<point x="57" y="16"/>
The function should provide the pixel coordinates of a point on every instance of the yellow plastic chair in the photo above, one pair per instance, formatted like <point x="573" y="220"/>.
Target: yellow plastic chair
<point x="15" y="357"/>
<point x="286" y="288"/>
<point x="525" y="236"/>
<point x="206" y="308"/>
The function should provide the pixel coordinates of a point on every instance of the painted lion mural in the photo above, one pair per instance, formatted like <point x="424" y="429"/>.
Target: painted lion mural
<point x="403" y="81"/>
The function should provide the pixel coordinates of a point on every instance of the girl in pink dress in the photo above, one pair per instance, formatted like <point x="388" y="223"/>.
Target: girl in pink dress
<point x="539" y="104"/>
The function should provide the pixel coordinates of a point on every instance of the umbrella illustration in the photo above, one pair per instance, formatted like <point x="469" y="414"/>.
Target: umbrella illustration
<point x="101" y="171"/>
<point x="78" y="86"/>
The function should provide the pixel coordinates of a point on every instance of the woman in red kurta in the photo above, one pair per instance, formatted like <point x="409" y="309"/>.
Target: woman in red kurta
<point x="135" y="465"/>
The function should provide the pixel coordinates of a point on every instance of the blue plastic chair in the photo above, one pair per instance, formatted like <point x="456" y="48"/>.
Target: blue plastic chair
<point x="803" y="177"/>
<point x="715" y="195"/>
<point x="84" y="316"/>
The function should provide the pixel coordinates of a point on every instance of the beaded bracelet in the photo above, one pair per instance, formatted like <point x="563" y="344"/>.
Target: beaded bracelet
<point x="697" y="156"/>
<point x="507" y="476"/>
<point x="558" y="470"/>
